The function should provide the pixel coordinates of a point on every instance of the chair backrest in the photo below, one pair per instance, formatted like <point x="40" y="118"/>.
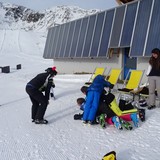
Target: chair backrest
<point x="97" y="71"/>
<point x="114" y="75"/>
<point x="134" y="79"/>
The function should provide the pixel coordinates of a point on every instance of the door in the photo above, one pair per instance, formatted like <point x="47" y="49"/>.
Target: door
<point x="129" y="62"/>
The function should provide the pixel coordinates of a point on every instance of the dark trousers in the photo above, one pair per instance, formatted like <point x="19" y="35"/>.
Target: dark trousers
<point x="39" y="103"/>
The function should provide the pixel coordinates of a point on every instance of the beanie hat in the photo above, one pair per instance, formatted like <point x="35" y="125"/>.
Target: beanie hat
<point x="51" y="71"/>
<point x="53" y="68"/>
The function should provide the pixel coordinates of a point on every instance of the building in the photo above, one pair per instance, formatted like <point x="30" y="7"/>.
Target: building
<point x="121" y="37"/>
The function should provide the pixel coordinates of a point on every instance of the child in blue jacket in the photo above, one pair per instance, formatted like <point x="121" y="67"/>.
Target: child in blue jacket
<point x="92" y="98"/>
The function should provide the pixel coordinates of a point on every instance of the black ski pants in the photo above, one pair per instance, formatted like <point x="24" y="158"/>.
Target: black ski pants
<point x="39" y="102"/>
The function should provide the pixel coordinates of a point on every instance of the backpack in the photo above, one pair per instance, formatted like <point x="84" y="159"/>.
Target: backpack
<point x="110" y="156"/>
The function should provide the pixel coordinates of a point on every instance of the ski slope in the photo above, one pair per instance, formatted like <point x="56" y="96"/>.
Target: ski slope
<point x="63" y="138"/>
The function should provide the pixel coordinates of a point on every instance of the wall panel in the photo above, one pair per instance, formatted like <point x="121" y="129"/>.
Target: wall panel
<point x="128" y="25"/>
<point x="81" y="39"/>
<point x="117" y="27"/>
<point x="75" y="38"/>
<point x="89" y="35"/>
<point x="154" y="30"/>
<point x="64" y="40"/>
<point x="139" y="35"/>
<point x="97" y="35"/>
<point x="105" y="36"/>
<point x="69" y="39"/>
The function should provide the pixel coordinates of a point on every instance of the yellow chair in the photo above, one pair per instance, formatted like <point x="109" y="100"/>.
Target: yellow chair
<point x="134" y="79"/>
<point x="114" y="75"/>
<point x="115" y="108"/>
<point x="97" y="71"/>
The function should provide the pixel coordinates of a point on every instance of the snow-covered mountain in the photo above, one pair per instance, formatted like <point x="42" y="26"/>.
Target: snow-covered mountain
<point x="19" y="17"/>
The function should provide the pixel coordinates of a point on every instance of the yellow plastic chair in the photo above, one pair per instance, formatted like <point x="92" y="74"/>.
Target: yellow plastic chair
<point x="115" y="108"/>
<point x="135" y="77"/>
<point x="97" y="71"/>
<point x="114" y="75"/>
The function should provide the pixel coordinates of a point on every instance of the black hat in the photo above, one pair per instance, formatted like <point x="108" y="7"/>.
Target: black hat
<point x="51" y="71"/>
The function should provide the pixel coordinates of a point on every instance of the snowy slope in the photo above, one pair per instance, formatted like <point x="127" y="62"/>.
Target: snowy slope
<point x="63" y="138"/>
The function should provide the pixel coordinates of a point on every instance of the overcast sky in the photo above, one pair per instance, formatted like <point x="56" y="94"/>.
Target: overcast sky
<point x="44" y="4"/>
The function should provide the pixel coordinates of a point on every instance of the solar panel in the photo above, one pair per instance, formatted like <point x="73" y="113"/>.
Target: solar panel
<point x="105" y="36"/>
<point x="69" y="39"/>
<point x="97" y="35"/>
<point x="75" y="38"/>
<point x="128" y="25"/>
<point x="81" y="38"/>
<point x="117" y="27"/>
<point x="55" y="42"/>
<point x="137" y="45"/>
<point x="64" y="40"/>
<point x="88" y="36"/>
<point x="154" y="30"/>
<point x="59" y="42"/>
<point x="48" y="42"/>
<point x="52" y="44"/>
<point x="134" y="25"/>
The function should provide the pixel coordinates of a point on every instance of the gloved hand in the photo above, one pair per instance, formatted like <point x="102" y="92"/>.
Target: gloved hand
<point x="78" y="116"/>
<point x="111" y="86"/>
<point x="52" y="95"/>
<point x="53" y="85"/>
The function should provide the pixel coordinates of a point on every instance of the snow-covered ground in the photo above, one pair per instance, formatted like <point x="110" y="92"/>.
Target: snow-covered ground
<point x="63" y="138"/>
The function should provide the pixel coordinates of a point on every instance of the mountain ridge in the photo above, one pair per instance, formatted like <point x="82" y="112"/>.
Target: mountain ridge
<point x="20" y="17"/>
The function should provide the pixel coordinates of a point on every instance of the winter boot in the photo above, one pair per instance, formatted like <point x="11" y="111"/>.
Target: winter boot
<point x="151" y="107"/>
<point x="42" y="121"/>
<point x="117" y="123"/>
<point x="142" y="114"/>
<point x="135" y="119"/>
<point x="102" y="120"/>
<point x="84" y="122"/>
<point x="125" y="124"/>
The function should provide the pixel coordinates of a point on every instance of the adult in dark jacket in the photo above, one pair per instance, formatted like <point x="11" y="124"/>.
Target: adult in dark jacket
<point x="154" y="77"/>
<point x="93" y="96"/>
<point x="35" y="88"/>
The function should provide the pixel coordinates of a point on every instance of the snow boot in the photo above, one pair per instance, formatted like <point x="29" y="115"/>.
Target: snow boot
<point x="142" y="114"/>
<point x="84" y="122"/>
<point x="151" y="107"/>
<point x="102" y="121"/>
<point x="117" y="123"/>
<point x="125" y="124"/>
<point x="42" y="121"/>
<point x="135" y="119"/>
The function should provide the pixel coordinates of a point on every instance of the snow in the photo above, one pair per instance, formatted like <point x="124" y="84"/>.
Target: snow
<point x="63" y="138"/>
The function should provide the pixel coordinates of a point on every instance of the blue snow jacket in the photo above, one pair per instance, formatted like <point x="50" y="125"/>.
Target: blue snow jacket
<point x="98" y="84"/>
<point x="93" y="96"/>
